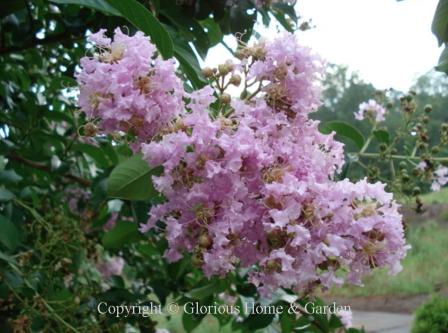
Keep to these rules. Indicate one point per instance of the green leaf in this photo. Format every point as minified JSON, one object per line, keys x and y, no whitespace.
{"x":190,"y":65}
{"x":190,"y":321}
{"x":287,"y":9}
{"x":9,"y":177}
{"x":345,"y":130}
{"x":440,"y":22}
{"x":96,"y":153}
{"x":9,"y":234}
{"x":258,"y":321}
{"x":131,"y":180}
{"x":204,"y":291}
{"x":143,"y":19}
{"x":382,"y":136}
{"x":5,"y":195}
{"x":213,"y":31}
{"x":123,"y":233}
{"x":443,"y":61}
{"x":240,"y":21}
{"x":186,"y":25}
{"x":100,"y":5}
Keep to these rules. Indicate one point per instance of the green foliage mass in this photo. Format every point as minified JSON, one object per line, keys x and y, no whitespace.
{"x":432,"y":317}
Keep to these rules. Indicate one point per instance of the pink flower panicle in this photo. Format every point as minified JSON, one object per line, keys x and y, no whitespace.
{"x":126,"y":87}
{"x":256,"y":189}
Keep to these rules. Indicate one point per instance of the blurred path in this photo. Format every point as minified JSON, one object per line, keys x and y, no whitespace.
{"x":382,"y":322}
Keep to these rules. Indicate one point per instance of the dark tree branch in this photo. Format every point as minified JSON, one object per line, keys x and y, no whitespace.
{"x":43,"y":167}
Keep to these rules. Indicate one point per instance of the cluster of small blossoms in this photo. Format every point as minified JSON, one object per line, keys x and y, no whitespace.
{"x":256,"y":188}
{"x":371,"y":110}
{"x":125,"y":87}
{"x":112,"y":266}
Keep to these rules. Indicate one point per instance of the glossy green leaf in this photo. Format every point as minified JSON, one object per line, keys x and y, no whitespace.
{"x":344,"y":130}
{"x":131,"y":180}
{"x":144,"y":20}
{"x":190,"y":65}
{"x":9,"y":234}
{"x":123,"y":233}
{"x":440,"y":22}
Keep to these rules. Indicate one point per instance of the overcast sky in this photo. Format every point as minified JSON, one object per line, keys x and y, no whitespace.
{"x":388,"y":42}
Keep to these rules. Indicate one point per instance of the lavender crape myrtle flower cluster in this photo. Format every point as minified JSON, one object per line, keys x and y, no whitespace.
{"x":252,"y":187}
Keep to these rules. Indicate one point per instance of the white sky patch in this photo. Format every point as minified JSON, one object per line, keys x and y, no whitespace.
{"x":388,"y":42}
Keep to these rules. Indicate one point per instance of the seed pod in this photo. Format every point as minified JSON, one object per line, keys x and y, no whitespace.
{"x":402,"y":165}
{"x":428,"y":108}
{"x":425,"y":119}
{"x":405,"y":177}
{"x":383,"y":147}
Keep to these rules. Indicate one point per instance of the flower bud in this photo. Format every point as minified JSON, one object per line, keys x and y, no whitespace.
{"x":235,"y":80}
{"x":428,"y":108}
{"x":405,"y":177}
{"x":207,"y":72}
{"x":205,"y":241}
{"x":225,"y":98}
{"x":421,"y":146}
{"x":435,"y":149}
{"x":402,"y":165}
{"x":383,"y":147}
{"x":425,"y":119}
{"x":196,"y":260}
{"x":90,"y":129}
{"x":240,"y":54}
